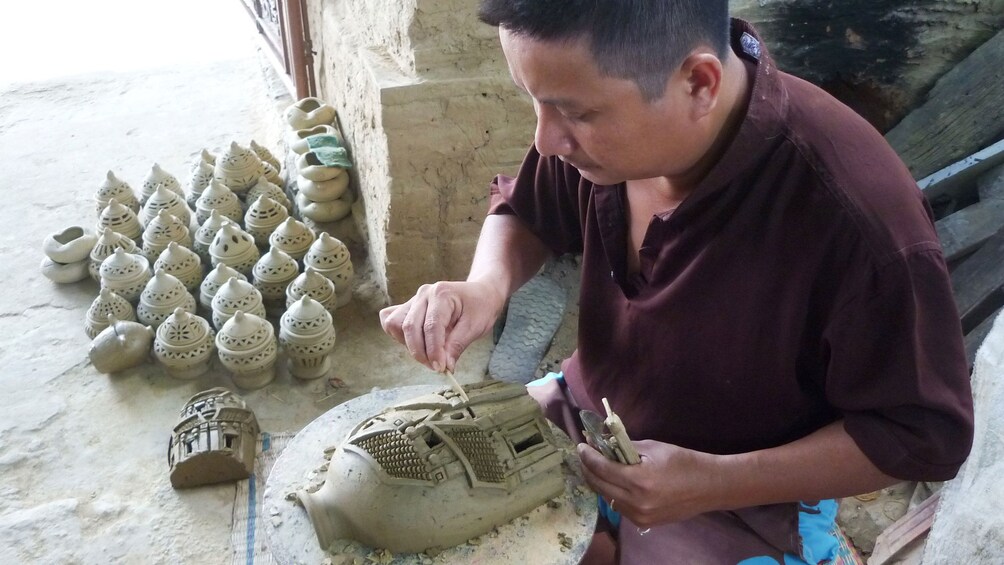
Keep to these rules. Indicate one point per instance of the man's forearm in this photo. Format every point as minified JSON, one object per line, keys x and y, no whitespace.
{"x":508,"y":254}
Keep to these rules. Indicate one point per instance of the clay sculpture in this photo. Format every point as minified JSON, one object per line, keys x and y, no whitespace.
{"x":107,"y":304}
{"x":292,"y":237}
{"x":330,"y":257}
{"x":120,"y":346}
{"x":309,"y":112}
{"x":108,"y":242}
{"x":233,"y":296}
{"x":181,"y":262}
{"x":217,"y":196}
{"x":307,"y":334}
{"x":248,"y":349}
{"x":210,"y":285}
{"x":314,"y":285}
{"x":234,"y":247}
{"x":113,"y":187}
{"x":164,"y":229}
{"x":184,"y":345}
{"x":271,"y":275}
{"x":120,"y":218}
{"x":262,"y":217}
{"x":161,"y":296}
{"x":451,"y":469}
{"x":125,"y":274}
{"x":214,"y":441}
{"x":159,"y":177}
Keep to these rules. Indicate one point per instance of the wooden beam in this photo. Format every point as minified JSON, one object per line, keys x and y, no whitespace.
{"x":964,"y":231}
{"x":962,"y":176}
{"x":903,"y":542}
{"x":977,"y":283}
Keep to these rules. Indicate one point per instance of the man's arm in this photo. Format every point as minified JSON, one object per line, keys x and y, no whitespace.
{"x":672,"y":484}
{"x":442,"y":319}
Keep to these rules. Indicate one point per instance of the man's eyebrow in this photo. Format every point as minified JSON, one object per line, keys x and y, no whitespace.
{"x":562,"y":102}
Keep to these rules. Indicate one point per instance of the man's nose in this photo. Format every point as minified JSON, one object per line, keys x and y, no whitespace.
{"x":552,"y":136}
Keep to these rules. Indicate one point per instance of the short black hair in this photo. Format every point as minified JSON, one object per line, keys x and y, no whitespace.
{"x":639,"y":40}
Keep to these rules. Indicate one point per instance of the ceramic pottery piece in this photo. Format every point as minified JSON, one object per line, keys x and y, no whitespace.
{"x":220,"y":198}
{"x":216,"y":278}
{"x":248,"y":349}
{"x":450,"y":469}
{"x":181,"y":262}
{"x":262,"y":218}
{"x":325,"y":190}
{"x":214,"y":440}
{"x":157,"y":177}
{"x":314,"y":285}
{"x":64,"y":273}
{"x":164,"y":229}
{"x":106,"y":304}
{"x":271,"y":275}
{"x":323,"y":212}
{"x":198,"y":181}
{"x":233,"y":296}
{"x":207,"y":157}
{"x":309,"y":112}
{"x":70,"y":245}
{"x":108,"y":242}
{"x":330,"y":257}
{"x":307,"y":334}
{"x":297,"y":139}
{"x":311,"y":168}
{"x":120,"y":346}
{"x":163,"y":199}
{"x":125,"y":274}
{"x":237,"y":167}
{"x":269,"y":173}
{"x":184,"y":345}
{"x":120,"y":218}
{"x":113,"y":187}
{"x":161,"y":296}
{"x":204,"y":235}
{"x":235,"y":247}
{"x":265,"y":155}
{"x":292,"y":237}
{"x":266,"y":188}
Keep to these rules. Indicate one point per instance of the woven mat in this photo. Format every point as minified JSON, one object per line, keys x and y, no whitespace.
{"x":247,"y":532}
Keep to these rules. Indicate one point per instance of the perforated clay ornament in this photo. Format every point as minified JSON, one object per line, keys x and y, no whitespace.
{"x":164,"y":229}
{"x":121,"y":219}
{"x":214,"y":440}
{"x":114,"y":187}
{"x":262,"y":218}
{"x":237,"y":167}
{"x":184,"y":345}
{"x":292,"y":237}
{"x":181,"y":262}
{"x":107,"y":304}
{"x":210,"y":285}
{"x":125,"y":274}
{"x":108,"y":242}
{"x":314,"y":285}
{"x":163,"y":199}
{"x":159,"y":177}
{"x":217,"y":196}
{"x":271,"y":275}
{"x":248,"y":349}
{"x":234,"y":247}
{"x":307,"y":334}
{"x":161,"y":296}
{"x":236,"y":295}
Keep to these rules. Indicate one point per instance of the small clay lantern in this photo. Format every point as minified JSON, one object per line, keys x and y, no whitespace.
{"x":235,"y":247}
{"x":238,"y":168}
{"x":267,"y":188}
{"x":161,"y":296}
{"x":307,"y":334}
{"x":164,"y":229}
{"x":270,"y":173}
{"x":198,"y":181}
{"x":248,"y":349}
{"x":184,"y":345}
{"x":236,"y":295}
{"x":207,"y":157}
{"x":265,"y":155}
{"x":214,"y":441}
{"x":121,"y":219}
{"x":159,"y":177}
{"x":204,"y":235}
{"x":125,"y":274}
{"x":271,"y":275}
{"x":262,"y":218}
{"x":181,"y":262}
{"x":107,"y":304}
{"x":113,"y":187}
{"x":330,"y":257}
{"x":108,"y":242}
{"x":210,"y":285}
{"x":120,"y":346}
{"x":163,"y":199}
{"x":220,"y":198}
{"x":314,"y":285}
{"x":292,"y":237}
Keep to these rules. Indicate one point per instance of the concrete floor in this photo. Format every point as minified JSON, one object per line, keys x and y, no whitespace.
{"x":84,"y":88}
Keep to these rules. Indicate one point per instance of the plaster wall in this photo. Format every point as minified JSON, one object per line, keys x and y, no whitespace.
{"x":430,"y":115}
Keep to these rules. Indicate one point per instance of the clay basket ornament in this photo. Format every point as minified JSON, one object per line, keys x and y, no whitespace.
{"x":120,"y":346}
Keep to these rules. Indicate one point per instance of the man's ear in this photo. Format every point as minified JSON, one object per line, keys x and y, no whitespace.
{"x":702,"y":73}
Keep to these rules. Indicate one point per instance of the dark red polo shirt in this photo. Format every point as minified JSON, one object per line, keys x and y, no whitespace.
{"x":800,"y":283}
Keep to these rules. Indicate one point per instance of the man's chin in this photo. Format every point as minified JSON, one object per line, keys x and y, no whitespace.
{"x":595,"y":175}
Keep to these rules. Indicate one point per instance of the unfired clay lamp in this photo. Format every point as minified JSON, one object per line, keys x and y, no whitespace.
{"x":181,"y":262}
{"x":237,"y":167}
{"x":163,"y":199}
{"x":316,"y":286}
{"x":297,"y":139}
{"x":270,"y":189}
{"x":198,"y":181}
{"x":106,"y":304}
{"x":161,"y":296}
{"x":120,"y":346}
{"x":208,"y":157}
{"x":292,"y":237}
{"x":235,"y":247}
{"x":233,"y":296}
{"x":307,"y":334}
{"x":270,"y":173}
{"x":220,"y":198}
{"x":330,"y":257}
{"x":214,"y":441}
{"x":265,"y":155}
{"x":437,"y":471}
{"x":204,"y":235}
{"x":210,"y":285}
{"x":248,"y":349}
{"x":184,"y":345}
{"x":164,"y":229}
{"x":120,"y":218}
{"x":125,"y":274}
{"x":70,"y":245}
{"x":323,"y":212}
{"x":271,"y":275}
{"x":108,"y":242}
{"x":309,"y":112}
{"x":113,"y":187}
{"x":159,"y":177}
{"x":262,"y":218}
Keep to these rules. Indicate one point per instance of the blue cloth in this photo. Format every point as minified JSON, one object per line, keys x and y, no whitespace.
{"x":329,"y":151}
{"x":816,"y":526}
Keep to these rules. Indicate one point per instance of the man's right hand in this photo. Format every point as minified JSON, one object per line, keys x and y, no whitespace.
{"x":442,"y":319}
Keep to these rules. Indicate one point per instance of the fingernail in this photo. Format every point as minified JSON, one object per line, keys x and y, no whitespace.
{"x":437,"y":367}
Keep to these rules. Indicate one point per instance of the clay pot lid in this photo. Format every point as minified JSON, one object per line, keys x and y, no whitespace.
{"x":108,"y":304}
{"x":236,"y":158}
{"x":221,"y":273}
{"x":216,"y":195}
{"x":313,"y":283}
{"x":163,"y":289}
{"x":275,"y":266}
{"x":230,"y":242}
{"x":183,"y":328}
{"x":237,"y":291}
{"x":113,"y":187}
{"x":178,"y":258}
{"x":306,"y":315}
{"x":108,"y":240}
{"x":327,"y":252}
{"x":116,"y":212}
{"x":121,"y":265}
{"x":165,"y":226}
{"x":265,"y":211}
{"x":245,"y":331}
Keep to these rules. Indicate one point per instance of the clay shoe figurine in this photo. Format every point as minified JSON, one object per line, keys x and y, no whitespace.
{"x":310,"y":167}
{"x":107,"y":304}
{"x":204,"y":235}
{"x":198,"y":181}
{"x":125,"y":274}
{"x":309,"y":112}
{"x":262,"y":218}
{"x":330,"y":257}
{"x":297,"y":139}
{"x":67,"y":255}
{"x":235,"y":295}
{"x":212,"y":283}
{"x":160,"y":297}
{"x":108,"y":242}
{"x":323,"y":212}
{"x":307,"y":334}
{"x":266,"y":188}
{"x":265,"y":155}
{"x":235,"y":247}
{"x":113,"y":187}
{"x":164,"y":199}
{"x":271,"y":275}
{"x":325,"y":190}
{"x":220,"y":198}
{"x":157,"y":177}
{"x":238,"y":168}
{"x":248,"y":349}
{"x":164,"y":229}
{"x":292,"y":237}
{"x":120,"y":346}
{"x":184,"y":345}
{"x":182,"y":263}
{"x":120,"y":218}
{"x":61,"y":273}
{"x":314,"y":285}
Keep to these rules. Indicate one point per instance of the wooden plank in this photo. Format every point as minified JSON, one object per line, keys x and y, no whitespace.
{"x":962,"y":176}
{"x":990,"y":185}
{"x":977,"y":283}
{"x":964,"y":231}
{"x":963,"y":113}
{"x":974,"y":339}
{"x":903,"y":541}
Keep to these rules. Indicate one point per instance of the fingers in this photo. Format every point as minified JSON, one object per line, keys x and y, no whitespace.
{"x":602,"y":475}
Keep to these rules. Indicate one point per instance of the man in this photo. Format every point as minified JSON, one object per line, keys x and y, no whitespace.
{"x":764,"y":300}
